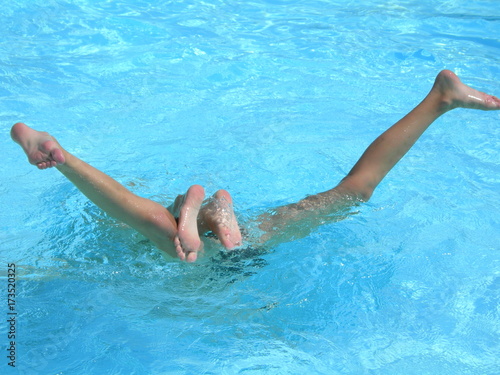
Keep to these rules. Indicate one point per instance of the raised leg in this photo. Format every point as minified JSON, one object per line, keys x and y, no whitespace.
{"x":147,"y":217}
{"x":296,"y":220}
{"x":178,"y":238}
{"x":447,"y":93}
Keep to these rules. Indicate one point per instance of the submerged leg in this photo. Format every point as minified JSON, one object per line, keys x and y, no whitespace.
{"x":447,"y":93}
{"x":147,"y":217}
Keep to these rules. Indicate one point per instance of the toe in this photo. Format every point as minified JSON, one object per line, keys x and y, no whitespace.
{"x":192,"y":256}
{"x":178,"y":249}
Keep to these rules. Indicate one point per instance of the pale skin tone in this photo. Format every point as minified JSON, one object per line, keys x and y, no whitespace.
{"x":181,"y":238}
{"x":298,"y":219}
{"x":177,"y":238}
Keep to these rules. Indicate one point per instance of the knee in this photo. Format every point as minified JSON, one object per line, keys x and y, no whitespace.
{"x":355,"y":188}
{"x":365,"y":195}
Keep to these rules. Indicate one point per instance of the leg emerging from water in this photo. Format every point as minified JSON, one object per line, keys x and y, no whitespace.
{"x":447,"y":93}
{"x":147,"y":217}
{"x":179,"y":239}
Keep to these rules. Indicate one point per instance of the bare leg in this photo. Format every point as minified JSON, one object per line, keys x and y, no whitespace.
{"x":148,"y":217}
{"x":179,"y":239}
{"x":447,"y":93}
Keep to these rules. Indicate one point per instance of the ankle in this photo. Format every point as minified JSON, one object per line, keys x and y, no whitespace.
{"x":441,"y":100}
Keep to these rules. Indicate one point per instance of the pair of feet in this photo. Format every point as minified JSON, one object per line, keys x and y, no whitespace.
{"x":193,"y":214}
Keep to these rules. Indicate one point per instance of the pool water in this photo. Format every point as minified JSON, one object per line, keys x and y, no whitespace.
{"x":271,"y":100}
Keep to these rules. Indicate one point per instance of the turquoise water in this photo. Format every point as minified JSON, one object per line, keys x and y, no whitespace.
{"x":271,"y":100}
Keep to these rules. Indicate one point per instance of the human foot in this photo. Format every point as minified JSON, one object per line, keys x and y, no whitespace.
{"x":41,"y":148}
{"x":186,"y":207}
{"x":217,"y":216}
{"x":456,"y":94}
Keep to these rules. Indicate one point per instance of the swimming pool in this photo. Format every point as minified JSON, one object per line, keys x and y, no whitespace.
{"x":271,"y":100}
